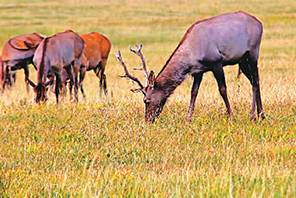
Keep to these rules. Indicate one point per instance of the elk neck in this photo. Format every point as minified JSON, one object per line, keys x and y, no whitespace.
{"x":173,"y":73}
{"x":41,"y":67}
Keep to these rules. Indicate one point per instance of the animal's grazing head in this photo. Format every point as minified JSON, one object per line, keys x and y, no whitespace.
{"x":40,"y":90}
{"x":40,"y":93}
{"x":154,"y":96}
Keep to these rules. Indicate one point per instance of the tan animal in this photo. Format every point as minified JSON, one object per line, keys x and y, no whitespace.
{"x":208,"y":45}
{"x":62,"y":50}
{"x":17,"y":53}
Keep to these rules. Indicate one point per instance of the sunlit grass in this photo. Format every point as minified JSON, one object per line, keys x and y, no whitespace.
{"x":105,"y":148}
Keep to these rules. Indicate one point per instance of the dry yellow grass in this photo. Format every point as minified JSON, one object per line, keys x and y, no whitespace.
{"x":99,"y":148}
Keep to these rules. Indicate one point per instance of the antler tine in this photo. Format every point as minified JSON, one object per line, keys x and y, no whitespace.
{"x":127,"y":74}
{"x":139,"y":53}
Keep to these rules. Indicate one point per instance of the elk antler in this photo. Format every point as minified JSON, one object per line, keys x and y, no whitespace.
{"x":127,"y":74}
{"x":139,"y":53}
{"x":30,"y":82}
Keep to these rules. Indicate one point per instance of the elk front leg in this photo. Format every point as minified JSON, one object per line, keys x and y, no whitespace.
{"x":220,"y":78}
{"x":26,"y":71}
{"x":70,"y":73}
{"x":5,"y":73}
{"x":195,"y":87}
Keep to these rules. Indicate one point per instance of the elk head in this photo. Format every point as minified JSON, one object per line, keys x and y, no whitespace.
{"x":154,"y":97}
{"x":40,"y":90}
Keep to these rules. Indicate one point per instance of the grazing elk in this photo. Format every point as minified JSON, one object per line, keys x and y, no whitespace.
{"x":94,"y":57}
{"x":62,"y":50}
{"x":17,"y":53}
{"x":208,"y":45}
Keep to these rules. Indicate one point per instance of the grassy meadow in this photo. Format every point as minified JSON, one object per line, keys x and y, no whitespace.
{"x":100,"y":148}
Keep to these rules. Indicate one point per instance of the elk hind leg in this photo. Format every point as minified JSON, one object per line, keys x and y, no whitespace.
{"x":249,"y":67}
{"x":76,"y":67}
{"x":81,"y":78}
{"x":69,"y":70}
{"x":26,"y":72}
{"x":104,"y":85}
{"x":99,"y":71}
{"x":103,"y":82}
{"x":57,"y":87}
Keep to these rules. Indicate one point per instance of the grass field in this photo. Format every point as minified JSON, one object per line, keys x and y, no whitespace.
{"x":100,"y":148}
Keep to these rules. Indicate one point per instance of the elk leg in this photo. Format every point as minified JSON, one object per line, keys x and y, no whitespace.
{"x":98,"y":72}
{"x":103,"y":77}
{"x":256,"y":88}
{"x":14,"y":77}
{"x":195,"y":87}
{"x":105,"y":85}
{"x":81,"y":78}
{"x":76,"y":71}
{"x":249,"y":67}
{"x":26,"y":71}
{"x":5,"y":76}
{"x":69,"y":70}
{"x":220,"y":78}
{"x":2,"y":75}
{"x":57,"y":87}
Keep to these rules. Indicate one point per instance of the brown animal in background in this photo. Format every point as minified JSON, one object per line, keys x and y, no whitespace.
{"x":208,"y":45}
{"x":17,"y":53}
{"x":94,"y":57}
{"x":62,"y":50}
{"x":96,"y":52}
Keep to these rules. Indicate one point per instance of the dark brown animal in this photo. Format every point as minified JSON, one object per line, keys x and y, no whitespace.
{"x":94,"y":57}
{"x":17,"y":53}
{"x":62,"y":50}
{"x":208,"y":45}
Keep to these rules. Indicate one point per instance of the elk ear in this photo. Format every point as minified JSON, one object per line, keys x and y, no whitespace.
{"x":30,"y":82}
{"x":151,"y":79}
